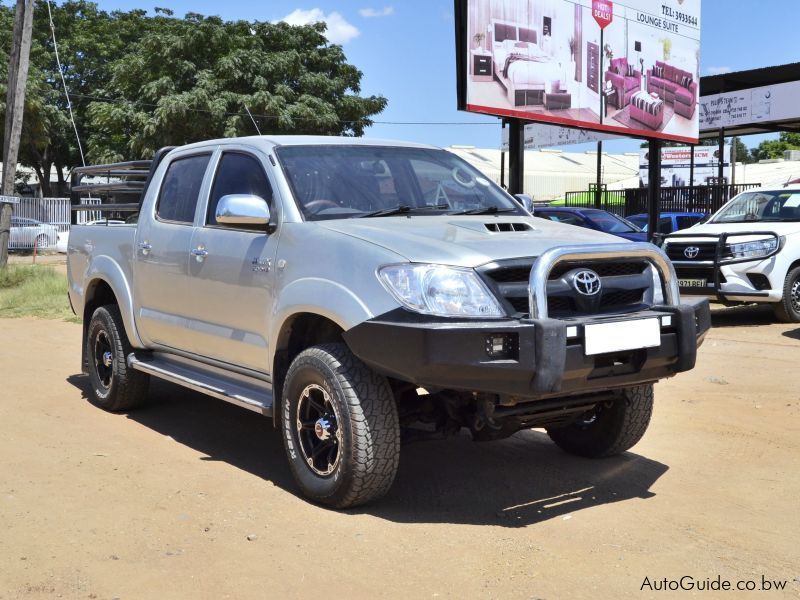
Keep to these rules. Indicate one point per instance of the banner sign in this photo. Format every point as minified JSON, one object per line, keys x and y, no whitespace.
{"x":752,"y":106}
{"x":628,"y":67}
{"x":539,"y":135}
{"x":603,"y":12}
{"x":9,"y":200}
{"x":676,"y":165}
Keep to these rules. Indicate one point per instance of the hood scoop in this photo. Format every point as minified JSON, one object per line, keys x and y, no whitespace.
{"x":507,"y":227}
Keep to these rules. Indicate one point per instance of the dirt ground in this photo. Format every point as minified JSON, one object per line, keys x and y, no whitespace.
{"x":192,"y":498}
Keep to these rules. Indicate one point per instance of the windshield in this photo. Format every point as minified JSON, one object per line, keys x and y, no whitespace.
{"x":611,"y":223}
{"x":753,"y":207}
{"x":344,"y":182}
{"x":639,"y":220}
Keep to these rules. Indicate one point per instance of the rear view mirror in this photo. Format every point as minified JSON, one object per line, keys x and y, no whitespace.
{"x":242,"y":210}
{"x":526,"y":201}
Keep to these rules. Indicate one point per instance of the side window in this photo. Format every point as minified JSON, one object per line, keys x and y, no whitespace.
{"x":238,"y":174}
{"x":665,"y":226}
{"x":177,"y":199}
{"x":686,"y":222}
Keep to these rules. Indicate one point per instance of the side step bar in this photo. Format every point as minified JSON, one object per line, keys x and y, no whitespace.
{"x":253,"y":395}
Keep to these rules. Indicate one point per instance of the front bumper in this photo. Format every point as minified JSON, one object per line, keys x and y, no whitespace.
{"x":541,"y":360}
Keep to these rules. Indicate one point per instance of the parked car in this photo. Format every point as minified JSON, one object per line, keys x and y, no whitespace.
{"x":25,"y":233}
{"x":347,"y":288}
{"x":749,"y":251}
{"x":593,"y":218}
{"x":669,"y":222}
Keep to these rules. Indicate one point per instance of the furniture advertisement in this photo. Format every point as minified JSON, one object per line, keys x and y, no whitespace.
{"x":629,"y":67}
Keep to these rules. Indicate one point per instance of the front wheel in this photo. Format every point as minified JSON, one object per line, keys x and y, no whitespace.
{"x":340,"y":427}
{"x":42,"y":242}
{"x":788,"y":309}
{"x":608,"y":429}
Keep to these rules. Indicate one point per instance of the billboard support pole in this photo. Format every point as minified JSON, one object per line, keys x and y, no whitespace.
{"x":721,"y":164}
{"x":503,"y":164}
{"x":691,"y":179}
{"x":653,"y":186}
{"x":598,"y":195}
{"x":516,"y":156}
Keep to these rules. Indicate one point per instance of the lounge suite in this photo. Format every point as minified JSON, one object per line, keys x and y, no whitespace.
{"x":647,"y":110}
{"x":625,"y":79}
{"x":675,"y":86}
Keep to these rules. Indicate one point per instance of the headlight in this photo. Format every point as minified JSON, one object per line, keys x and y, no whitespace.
{"x":755,"y":249}
{"x":442,"y":291}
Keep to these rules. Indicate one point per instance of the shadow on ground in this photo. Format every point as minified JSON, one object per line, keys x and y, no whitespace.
{"x":515,"y":482}
{"x":739,"y":316}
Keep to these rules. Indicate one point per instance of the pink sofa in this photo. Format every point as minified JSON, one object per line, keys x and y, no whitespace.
{"x":647,"y":110}
{"x":626,"y":85}
{"x":675,"y":86}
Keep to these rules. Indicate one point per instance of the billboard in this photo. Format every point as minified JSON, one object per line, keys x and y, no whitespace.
{"x":753,"y":106}
{"x":628,"y":67}
{"x":676,"y":165}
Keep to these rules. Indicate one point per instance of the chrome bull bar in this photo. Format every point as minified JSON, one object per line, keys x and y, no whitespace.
{"x":537,"y":284}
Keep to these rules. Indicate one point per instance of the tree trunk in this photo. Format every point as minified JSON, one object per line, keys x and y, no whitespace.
{"x":62,"y":184}
{"x":43,"y":173}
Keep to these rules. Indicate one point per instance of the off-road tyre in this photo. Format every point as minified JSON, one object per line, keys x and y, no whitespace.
{"x":610,"y":428}
{"x":367,"y":430}
{"x":115,"y":386}
{"x":788,"y":309}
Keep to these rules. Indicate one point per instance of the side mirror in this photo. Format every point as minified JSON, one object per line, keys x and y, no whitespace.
{"x":242,"y":210}
{"x":526,"y":201}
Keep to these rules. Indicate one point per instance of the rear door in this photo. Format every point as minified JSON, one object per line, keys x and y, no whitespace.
{"x":232,"y":275}
{"x":162,"y":253}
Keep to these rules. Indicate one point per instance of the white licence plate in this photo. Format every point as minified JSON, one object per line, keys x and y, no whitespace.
{"x":602,"y":338}
{"x":692,"y":283}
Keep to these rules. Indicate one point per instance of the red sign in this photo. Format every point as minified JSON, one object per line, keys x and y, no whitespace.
{"x":603,"y":12}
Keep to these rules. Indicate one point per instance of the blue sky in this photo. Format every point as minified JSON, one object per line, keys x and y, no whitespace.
{"x":406,"y":51}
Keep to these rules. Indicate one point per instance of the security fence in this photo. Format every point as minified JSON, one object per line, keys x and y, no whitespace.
{"x":39,"y":221}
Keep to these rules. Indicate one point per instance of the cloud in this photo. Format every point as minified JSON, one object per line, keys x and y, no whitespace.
{"x":376,"y":12}
{"x":339,"y":30}
{"x":718,"y":70}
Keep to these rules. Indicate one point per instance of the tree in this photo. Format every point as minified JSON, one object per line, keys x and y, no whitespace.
{"x":770,"y":149}
{"x":743,"y":153}
{"x":195,"y":78}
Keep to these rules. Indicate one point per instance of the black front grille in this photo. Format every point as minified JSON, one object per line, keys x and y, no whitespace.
{"x":511,"y":280}
{"x":707,"y":251}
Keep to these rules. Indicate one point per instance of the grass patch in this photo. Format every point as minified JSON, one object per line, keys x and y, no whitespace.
{"x":34,"y":291}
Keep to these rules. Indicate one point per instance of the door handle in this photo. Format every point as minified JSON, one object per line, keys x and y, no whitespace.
{"x":199,"y":254}
{"x":145,"y":247}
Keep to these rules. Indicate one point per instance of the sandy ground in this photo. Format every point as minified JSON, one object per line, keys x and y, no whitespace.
{"x":192,"y":498}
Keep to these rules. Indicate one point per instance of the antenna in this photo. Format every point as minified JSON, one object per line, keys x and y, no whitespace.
{"x":252,"y":119}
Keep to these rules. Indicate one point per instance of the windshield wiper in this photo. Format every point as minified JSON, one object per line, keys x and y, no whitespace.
{"x":402,"y":209}
{"x":489,"y":210}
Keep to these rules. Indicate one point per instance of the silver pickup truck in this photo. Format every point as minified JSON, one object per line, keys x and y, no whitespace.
{"x":358,"y":292}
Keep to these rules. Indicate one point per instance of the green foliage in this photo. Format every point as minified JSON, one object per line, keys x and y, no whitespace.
{"x":34,"y":291}
{"x":139,"y":83}
{"x":769,"y":149}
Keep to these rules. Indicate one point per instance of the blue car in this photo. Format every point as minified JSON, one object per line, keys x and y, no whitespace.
{"x":593,"y":218}
{"x":669,"y":222}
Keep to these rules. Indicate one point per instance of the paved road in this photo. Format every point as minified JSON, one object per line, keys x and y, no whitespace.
{"x":160,"y":503}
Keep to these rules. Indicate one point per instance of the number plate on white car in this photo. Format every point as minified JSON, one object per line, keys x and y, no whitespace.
{"x":602,"y":338}
{"x":692,"y":283}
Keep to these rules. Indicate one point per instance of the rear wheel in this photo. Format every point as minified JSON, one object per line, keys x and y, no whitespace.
{"x":115,"y":386}
{"x":42,"y":242}
{"x":340,"y":427}
{"x":608,"y":429}
{"x":788,"y":309}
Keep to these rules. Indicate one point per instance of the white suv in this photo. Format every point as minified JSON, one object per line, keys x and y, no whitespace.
{"x":749,"y":251}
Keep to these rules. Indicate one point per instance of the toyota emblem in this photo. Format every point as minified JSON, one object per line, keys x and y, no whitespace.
{"x":691,"y":252}
{"x":586,"y":283}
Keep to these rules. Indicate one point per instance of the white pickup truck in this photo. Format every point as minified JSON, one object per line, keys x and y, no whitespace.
{"x":748,"y":252}
{"x":358,"y":291}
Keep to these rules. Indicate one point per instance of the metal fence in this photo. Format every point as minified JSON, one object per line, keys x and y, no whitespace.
{"x":39,"y":221}
{"x":633,"y":201}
